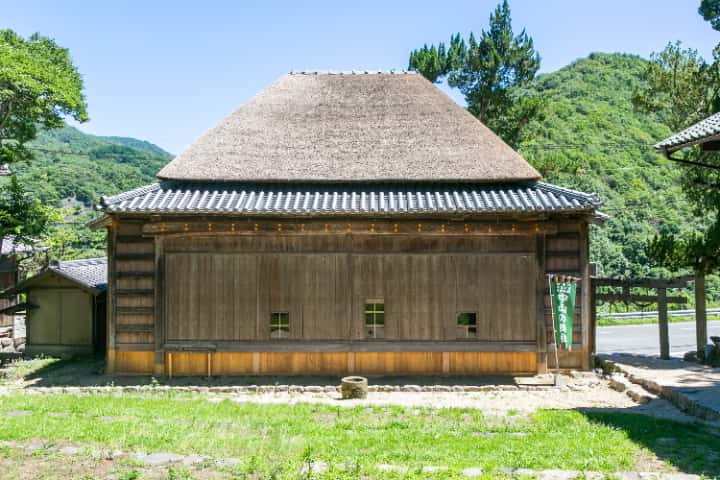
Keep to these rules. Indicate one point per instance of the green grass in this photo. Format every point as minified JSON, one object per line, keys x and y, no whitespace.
{"x":279,"y":439}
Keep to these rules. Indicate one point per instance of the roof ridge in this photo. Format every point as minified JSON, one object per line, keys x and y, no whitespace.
{"x":83,"y":261}
{"x":592,"y":197}
{"x":107,"y":200}
{"x":392,"y":71}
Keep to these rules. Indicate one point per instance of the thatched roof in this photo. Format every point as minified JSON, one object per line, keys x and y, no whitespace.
{"x":315,"y":127}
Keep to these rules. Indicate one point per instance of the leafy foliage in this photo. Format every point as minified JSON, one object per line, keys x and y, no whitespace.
{"x":70,"y":172}
{"x":592,"y":139}
{"x":39,"y":86}
{"x":680,"y":86}
{"x":683,"y":88}
{"x":710,"y":11}
{"x":489,"y":72}
{"x":21,"y":215}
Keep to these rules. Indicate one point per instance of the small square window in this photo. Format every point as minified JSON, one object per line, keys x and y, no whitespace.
{"x":279,"y":325}
{"x":467,"y":325}
{"x":374,"y":319}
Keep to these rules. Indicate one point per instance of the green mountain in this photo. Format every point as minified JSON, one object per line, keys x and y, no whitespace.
{"x":71,"y":171}
{"x":592,"y":139}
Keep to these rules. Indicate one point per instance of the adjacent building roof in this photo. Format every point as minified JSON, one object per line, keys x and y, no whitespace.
{"x":349,"y":199}
{"x":701,"y":132}
{"x":89,"y":274}
{"x":10,"y":245}
{"x":350,"y":127}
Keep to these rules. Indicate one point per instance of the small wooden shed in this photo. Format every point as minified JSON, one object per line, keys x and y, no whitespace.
{"x":344,"y":223}
{"x":65,"y":305}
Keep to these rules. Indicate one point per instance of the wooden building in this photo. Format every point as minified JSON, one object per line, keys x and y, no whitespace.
{"x":65,"y":308}
{"x":704,"y":135}
{"x":12,"y":252}
{"x":344,"y":223}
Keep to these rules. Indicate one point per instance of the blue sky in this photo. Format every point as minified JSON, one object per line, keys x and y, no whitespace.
{"x":165,"y":71}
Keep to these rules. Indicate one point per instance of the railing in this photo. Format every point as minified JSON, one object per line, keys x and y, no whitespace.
{"x":648,"y":314}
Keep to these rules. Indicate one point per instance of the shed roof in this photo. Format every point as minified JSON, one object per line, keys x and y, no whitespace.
{"x":350,"y":127}
{"x":703,"y":131}
{"x":349,"y":199}
{"x":89,"y":274}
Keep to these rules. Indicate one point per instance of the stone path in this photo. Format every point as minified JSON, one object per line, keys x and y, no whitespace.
{"x":694,"y":388}
{"x":165,"y":458}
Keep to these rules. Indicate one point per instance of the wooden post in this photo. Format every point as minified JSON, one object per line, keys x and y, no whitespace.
{"x":663,"y":324}
{"x":700,"y":313}
{"x":541,"y":328}
{"x":111,"y":366}
{"x":585,"y":299}
{"x":593,"y":319}
{"x":159,"y":318}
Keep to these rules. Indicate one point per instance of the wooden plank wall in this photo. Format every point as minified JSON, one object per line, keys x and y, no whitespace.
{"x":132,"y":285}
{"x":325,"y":295}
{"x":416,"y":271}
{"x":340,"y":363}
{"x":8,"y":278}
{"x":567,"y":254}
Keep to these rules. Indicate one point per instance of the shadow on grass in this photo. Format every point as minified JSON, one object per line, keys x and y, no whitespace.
{"x":691,"y":447}
{"x":88,"y":371}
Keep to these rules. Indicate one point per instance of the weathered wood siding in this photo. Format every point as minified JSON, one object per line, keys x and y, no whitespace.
{"x":8,"y":279}
{"x":230,"y":296}
{"x":214,"y":291}
{"x":62,"y":323}
{"x":567,"y":253}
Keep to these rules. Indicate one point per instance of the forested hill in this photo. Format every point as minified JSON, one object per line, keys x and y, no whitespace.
{"x":593,"y":140}
{"x":72,"y":169}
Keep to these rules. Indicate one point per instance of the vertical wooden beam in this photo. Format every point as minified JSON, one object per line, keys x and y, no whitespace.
{"x":541,"y":330}
{"x":663,"y":323}
{"x":351,"y":362}
{"x":700,"y":313}
{"x":593,"y":319}
{"x":110,"y":302}
{"x":159,"y":317}
{"x":585,"y":301}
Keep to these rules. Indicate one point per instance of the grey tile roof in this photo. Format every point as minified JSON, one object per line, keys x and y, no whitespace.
{"x":349,"y":199}
{"x":90,"y":272}
{"x":10,"y":246}
{"x":704,"y":130}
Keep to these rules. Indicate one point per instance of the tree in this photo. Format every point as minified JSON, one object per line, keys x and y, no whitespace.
{"x":490,"y":73}
{"x":710,"y":11}
{"x":21,"y":215}
{"x":683,"y":88}
{"x":680,"y":86}
{"x":39,"y":87}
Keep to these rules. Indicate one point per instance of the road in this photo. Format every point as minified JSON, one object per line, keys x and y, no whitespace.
{"x":644,"y":339}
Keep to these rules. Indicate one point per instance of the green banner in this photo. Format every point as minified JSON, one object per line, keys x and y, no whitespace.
{"x":562,"y":291}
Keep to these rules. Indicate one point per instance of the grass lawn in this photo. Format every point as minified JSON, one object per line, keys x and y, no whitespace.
{"x":275,"y":441}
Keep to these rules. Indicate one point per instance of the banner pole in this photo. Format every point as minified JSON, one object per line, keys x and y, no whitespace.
{"x":554,"y":333}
